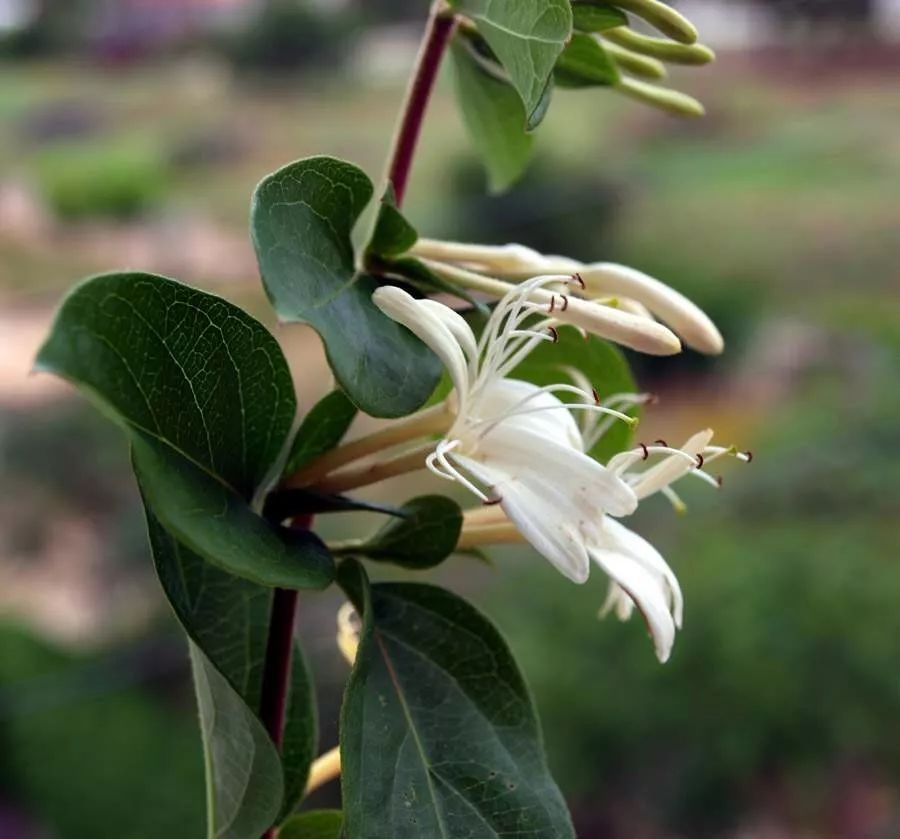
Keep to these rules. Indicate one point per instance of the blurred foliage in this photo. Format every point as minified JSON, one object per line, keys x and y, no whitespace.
{"x":87,"y":754}
{"x":111,"y":180}
{"x":786,"y":666}
{"x":287,"y":35}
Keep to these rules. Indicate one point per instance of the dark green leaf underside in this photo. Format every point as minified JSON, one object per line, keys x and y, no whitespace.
{"x":584,"y":63}
{"x":590,"y":16}
{"x":228,"y":618}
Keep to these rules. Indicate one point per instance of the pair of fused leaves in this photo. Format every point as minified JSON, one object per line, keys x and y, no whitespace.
{"x":505,"y":73}
{"x":206,"y":398}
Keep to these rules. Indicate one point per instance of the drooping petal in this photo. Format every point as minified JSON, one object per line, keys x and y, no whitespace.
{"x":616,"y":537}
{"x":648,"y":591}
{"x":684,"y":316}
{"x":457,"y":325}
{"x":424,"y":324}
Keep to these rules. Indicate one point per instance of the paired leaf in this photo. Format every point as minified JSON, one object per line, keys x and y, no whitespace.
{"x":301,"y":220}
{"x":216,"y":523}
{"x":591,"y":16}
{"x":494,"y":117}
{"x":321,"y":430}
{"x":393,"y":234}
{"x":423,"y":534}
{"x":316,"y":824}
{"x":438,"y":733}
{"x":243,"y":770}
{"x":527,"y":36}
{"x":228,"y":619}
{"x":603,"y":364}
{"x":584,"y":63}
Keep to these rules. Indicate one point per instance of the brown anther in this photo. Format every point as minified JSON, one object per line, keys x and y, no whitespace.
{"x":553,"y":331}
{"x":699,"y":461}
{"x":646,"y":452}
{"x":660,"y":442}
{"x":652,"y":399}
{"x":552,"y":303}
{"x":720,"y":480}
{"x":596,"y":394}
{"x":749,"y":456}
{"x":578,"y":279}
{"x":565,"y":302}
{"x":492,"y":502}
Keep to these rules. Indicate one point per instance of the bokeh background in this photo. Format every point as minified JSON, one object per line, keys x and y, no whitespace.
{"x":132,"y":135}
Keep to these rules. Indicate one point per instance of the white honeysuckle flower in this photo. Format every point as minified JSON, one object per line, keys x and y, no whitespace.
{"x":519,"y":442}
{"x":513,"y":443}
{"x":602,"y":280}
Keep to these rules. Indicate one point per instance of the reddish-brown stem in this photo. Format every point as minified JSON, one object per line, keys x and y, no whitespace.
{"x":434,"y":43}
{"x":279,"y":657}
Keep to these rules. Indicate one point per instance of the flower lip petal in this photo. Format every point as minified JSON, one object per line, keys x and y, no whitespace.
{"x":429,"y":328}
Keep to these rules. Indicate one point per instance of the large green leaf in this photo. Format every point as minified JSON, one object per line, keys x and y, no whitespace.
{"x":243,"y":771}
{"x":423,"y":534}
{"x":180,"y":365}
{"x":438,"y":734}
{"x":527,"y":36}
{"x":584,"y":63}
{"x":494,"y":117}
{"x":393,"y":234}
{"x":602,"y":364}
{"x":301,"y":220}
{"x":228,"y":618}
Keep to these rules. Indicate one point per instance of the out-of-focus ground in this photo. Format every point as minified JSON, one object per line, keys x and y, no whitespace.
{"x":777,"y":716}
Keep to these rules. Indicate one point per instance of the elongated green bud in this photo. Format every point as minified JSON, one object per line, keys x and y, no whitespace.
{"x":662,"y":17}
{"x":690,"y":54}
{"x":664,"y":98}
{"x":640,"y":65}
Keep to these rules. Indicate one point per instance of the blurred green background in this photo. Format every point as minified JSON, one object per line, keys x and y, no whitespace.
{"x":132,"y":136}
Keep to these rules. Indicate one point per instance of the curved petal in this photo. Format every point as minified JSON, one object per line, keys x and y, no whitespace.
{"x":424,"y":324}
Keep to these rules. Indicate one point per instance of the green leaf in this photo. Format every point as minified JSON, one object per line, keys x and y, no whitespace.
{"x":424,"y":535}
{"x":438,"y":733}
{"x":214,"y":522}
{"x":604,"y":366}
{"x":584,"y":63}
{"x":301,"y":220}
{"x":180,"y":365}
{"x":316,"y":824}
{"x":228,"y":619}
{"x":243,"y":771}
{"x":494,"y":117}
{"x":538,"y":114}
{"x":393,"y":234}
{"x":590,"y":16}
{"x":321,"y":430}
{"x":527,"y":36}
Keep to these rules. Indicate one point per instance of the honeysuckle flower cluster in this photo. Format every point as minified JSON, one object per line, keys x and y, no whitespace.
{"x":517,"y":447}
